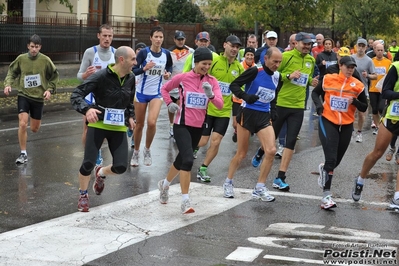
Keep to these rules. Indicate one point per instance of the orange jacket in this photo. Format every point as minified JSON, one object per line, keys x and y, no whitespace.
{"x":338,"y":91}
{"x":243,"y":63}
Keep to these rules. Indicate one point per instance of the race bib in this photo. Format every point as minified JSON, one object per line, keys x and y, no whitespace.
{"x":301,"y":81}
{"x":114,"y":117}
{"x":265,"y":95}
{"x":330,"y":63}
{"x":32,"y":81}
{"x":225,"y":88}
{"x":196,"y":100}
{"x":395,"y":109}
{"x":339,"y":104}
{"x":380,"y":70}
{"x":155,"y":71}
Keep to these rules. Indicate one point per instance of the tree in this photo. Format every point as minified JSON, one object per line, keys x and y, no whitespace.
{"x":285,"y":15}
{"x":367,"y":17}
{"x":146,"y":8}
{"x":182,"y":11}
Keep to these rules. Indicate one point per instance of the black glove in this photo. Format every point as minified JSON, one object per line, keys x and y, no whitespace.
{"x":319,"y":110}
{"x":250,"y":98}
{"x":273,"y":115}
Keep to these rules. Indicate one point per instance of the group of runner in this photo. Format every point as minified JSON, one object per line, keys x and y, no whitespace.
{"x":265,"y":89}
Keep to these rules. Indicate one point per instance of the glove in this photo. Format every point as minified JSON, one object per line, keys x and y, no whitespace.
{"x":208,"y":90}
{"x":273,"y":115}
{"x":172,"y":108}
{"x":319,"y":110}
{"x":250,"y":98}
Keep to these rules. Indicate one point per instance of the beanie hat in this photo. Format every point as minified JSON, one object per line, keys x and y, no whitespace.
{"x":201,"y":54}
{"x":249,"y":50}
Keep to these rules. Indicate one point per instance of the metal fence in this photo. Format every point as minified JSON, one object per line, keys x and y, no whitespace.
{"x":65,"y":39}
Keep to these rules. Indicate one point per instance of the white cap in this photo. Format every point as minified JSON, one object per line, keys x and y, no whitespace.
{"x":271,"y":34}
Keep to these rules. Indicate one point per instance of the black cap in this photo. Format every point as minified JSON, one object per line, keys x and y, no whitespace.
{"x":179,"y":35}
{"x":140,"y":45}
{"x":347,"y":61}
{"x":201,"y":54}
{"x":233,"y":40}
{"x":249,"y":50}
{"x":304,"y":37}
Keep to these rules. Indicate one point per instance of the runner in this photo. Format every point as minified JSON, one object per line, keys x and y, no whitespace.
{"x":107,"y":118}
{"x":255,"y":116}
{"x":37,"y":79}
{"x":153,"y":63}
{"x":94,"y":59}
{"x":336,"y":117}
{"x":388,"y":128}
{"x":196,"y":89}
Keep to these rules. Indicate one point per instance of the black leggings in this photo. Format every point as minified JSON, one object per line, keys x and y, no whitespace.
{"x":117,"y":144}
{"x":187,"y":139}
{"x":294,"y":119}
{"x":335,"y":141}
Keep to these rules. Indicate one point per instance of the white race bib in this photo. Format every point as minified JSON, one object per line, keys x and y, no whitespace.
{"x":32,"y":81}
{"x":196,"y":100}
{"x":114,"y":117}
{"x":265,"y":95}
{"x":339,"y":104}
{"x":395,"y":109}
{"x":225,"y":88}
{"x":301,"y":81}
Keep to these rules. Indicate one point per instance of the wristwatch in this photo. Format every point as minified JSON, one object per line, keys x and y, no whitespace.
{"x":288,"y":76}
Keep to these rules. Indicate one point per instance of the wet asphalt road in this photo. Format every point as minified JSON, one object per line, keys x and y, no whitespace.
{"x":47,"y":187}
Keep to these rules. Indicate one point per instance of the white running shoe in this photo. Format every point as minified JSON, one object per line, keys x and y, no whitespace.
{"x":359,"y":137}
{"x":147,"y":157}
{"x":186,"y":207}
{"x":262,"y":194}
{"x":163,"y":192}
{"x":135,"y":159}
{"x":327,"y":203}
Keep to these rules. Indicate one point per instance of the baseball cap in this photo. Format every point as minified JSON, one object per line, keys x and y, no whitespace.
{"x":361,"y":41}
{"x":343,"y":51}
{"x":233,"y":40}
{"x":304,"y":37}
{"x":347,"y":61}
{"x":201,"y":54}
{"x":271,"y":34}
{"x":179,"y":35}
{"x":140,"y":45}
{"x":203,"y":36}
{"x":249,"y":50}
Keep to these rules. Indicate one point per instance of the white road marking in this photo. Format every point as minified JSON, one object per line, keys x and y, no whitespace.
{"x":44,"y":125}
{"x":244,"y":254}
{"x":293,"y":259}
{"x":78,"y":238}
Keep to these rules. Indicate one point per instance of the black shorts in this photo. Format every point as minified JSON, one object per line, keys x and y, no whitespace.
{"x":391,"y":125}
{"x":253,"y":120}
{"x":215,"y":124}
{"x":34,"y":108}
{"x":236,"y":106}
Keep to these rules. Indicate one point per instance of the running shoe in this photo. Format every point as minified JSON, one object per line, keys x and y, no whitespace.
{"x":132,"y":142}
{"x":129,"y":132}
{"x":171,"y":130}
{"x":147,"y":157}
{"x":359,"y":137}
{"x":256,"y":160}
{"x":234,"y":137}
{"x":394,"y":204}
{"x":135,"y":159}
{"x":202,"y":174}
{"x":327,"y":203}
{"x":99,"y":161}
{"x":195,"y":152}
{"x":373,"y":125}
{"x":22,"y":158}
{"x":228,"y":189}
{"x":262,"y":194}
{"x":390,"y":153}
{"x":279,"y":152}
{"x":163,"y":192}
{"x":83,"y":203}
{"x":375,"y":131}
{"x":186,"y":207}
{"x":278,"y":183}
{"x":322,"y":178}
{"x":357,"y":191}
{"x":98,"y":185}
